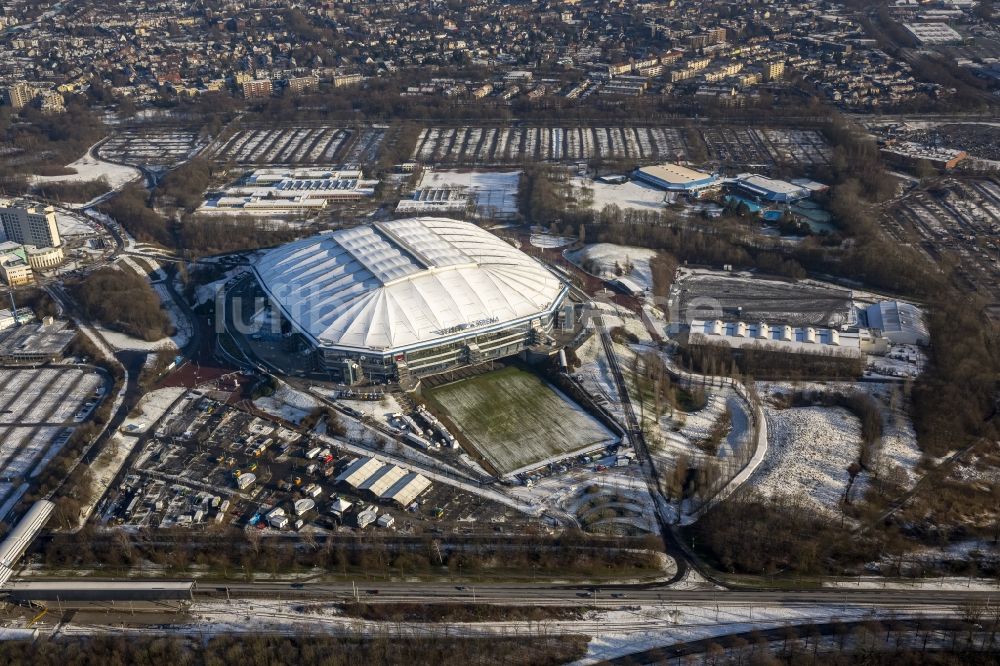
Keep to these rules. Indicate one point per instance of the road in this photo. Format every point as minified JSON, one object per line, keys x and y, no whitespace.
{"x":544,"y":594}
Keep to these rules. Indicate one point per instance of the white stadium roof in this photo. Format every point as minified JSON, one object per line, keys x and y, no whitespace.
{"x":404,"y":283}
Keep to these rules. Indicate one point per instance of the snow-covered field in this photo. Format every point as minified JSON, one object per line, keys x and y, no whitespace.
{"x":515,"y":420}
{"x":631,"y":195}
{"x":88,"y":168}
{"x":809,"y":451}
{"x":123,"y":342}
{"x":620,"y":489}
{"x":287,"y":404}
{"x":603,"y":260}
{"x":182,"y":326}
{"x":898,"y":447}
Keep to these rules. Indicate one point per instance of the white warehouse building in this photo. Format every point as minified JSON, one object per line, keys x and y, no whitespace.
{"x":780,"y":337}
{"x":413,"y":296}
{"x":900,"y":323}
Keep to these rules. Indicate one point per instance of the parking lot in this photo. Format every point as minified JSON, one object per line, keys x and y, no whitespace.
{"x":299,"y":146}
{"x":149,"y":146}
{"x":39,"y":409}
{"x":514,"y":145}
{"x":754,"y":299}
{"x":763,"y":148}
{"x":745,"y":147}
{"x":958,"y":217}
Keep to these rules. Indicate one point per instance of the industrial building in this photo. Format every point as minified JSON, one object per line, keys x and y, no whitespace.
{"x":780,"y":337}
{"x":388,"y":483}
{"x":411,"y":297}
{"x":909,"y":154}
{"x":677,"y":178}
{"x":899,"y":323}
{"x":35,"y":343}
{"x":762,"y":188}
{"x":291,"y":190}
{"x":933,"y":33}
{"x":435,"y":200}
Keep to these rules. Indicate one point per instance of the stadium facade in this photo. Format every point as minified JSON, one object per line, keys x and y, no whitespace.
{"x":411,"y":297}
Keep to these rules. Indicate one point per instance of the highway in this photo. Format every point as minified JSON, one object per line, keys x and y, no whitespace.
{"x":541,"y":594}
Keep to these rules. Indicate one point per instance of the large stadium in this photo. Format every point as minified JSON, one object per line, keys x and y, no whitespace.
{"x":410,"y":297}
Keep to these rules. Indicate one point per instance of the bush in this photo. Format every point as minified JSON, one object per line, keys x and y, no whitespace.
{"x":74,"y":192}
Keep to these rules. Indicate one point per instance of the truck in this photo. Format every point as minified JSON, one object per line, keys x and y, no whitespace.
{"x":417,"y":441}
{"x":313,"y":452}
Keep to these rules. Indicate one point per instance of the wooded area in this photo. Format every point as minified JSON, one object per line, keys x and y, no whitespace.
{"x":122,"y":301}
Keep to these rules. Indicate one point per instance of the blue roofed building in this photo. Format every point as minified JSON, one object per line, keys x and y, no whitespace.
{"x":762,"y":188}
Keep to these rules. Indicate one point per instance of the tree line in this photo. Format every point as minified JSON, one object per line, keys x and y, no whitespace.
{"x":306,"y":649}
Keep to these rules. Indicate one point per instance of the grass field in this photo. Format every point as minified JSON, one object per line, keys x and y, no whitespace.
{"x":515,"y":420}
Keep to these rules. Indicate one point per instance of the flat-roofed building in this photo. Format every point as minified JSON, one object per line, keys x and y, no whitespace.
{"x":14,"y":267}
{"x":778,"y":337}
{"x":293,"y":190}
{"x":933,"y":33}
{"x":18,"y":95}
{"x":35,"y":343}
{"x":29,"y":225}
{"x":676,"y":178}
{"x":770,"y":189}
{"x":300,"y":84}
{"x":382,"y":480}
{"x":257,"y":88}
{"x":406,"y":490}
{"x":359,"y":471}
